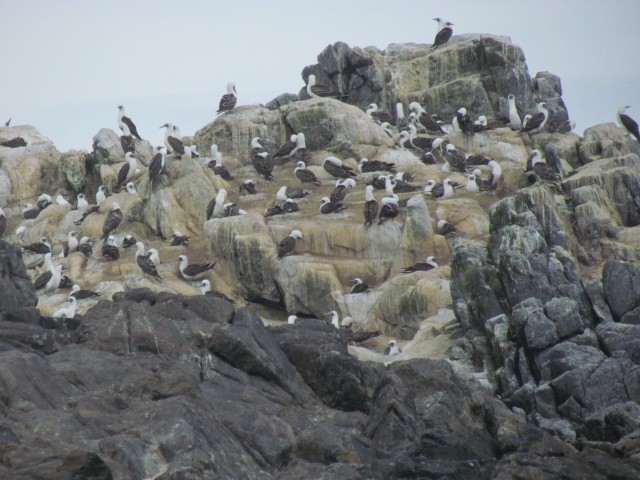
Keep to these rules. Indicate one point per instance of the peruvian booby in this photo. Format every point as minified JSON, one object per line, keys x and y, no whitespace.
{"x":566,"y":126}
{"x":71,"y":245}
{"x":110,"y":250}
{"x":193,"y":271}
{"x":421,"y":143}
{"x":445,"y":228}
{"x":335,"y":319}
{"x":131,"y":188}
{"x":343,"y":186}
{"x":403,"y":140}
{"x":366,"y":165}
{"x":42,"y":247}
{"x":127,"y":170}
{"x":205,"y":289}
{"x":315,"y":90}
{"x":256,"y":146}
{"x":442,"y":190}
{"x":404,"y":176}
{"x":392,"y":349}
{"x":214,"y":209}
{"x":29,"y":213}
{"x":480,"y":125}
{"x":334,"y":167}
{"x":302,"y":153}
{"x":444,"y":33}
{"x":359,"y":286}
{"x":81,"y":202}
{"x":43,"y":279}
{"x":54,"y":282}
{"x":305,"y":175}
{"x":16,"y":142}
{"x":124,"y":121}
{"x":464,"y":122}
{"x":496,"y":173}
{"x":377,"y":115}
{"x":154,"y":256}
{"x":195,"y":152}
{"x":290,"y":206}
{"x":327,"y":206}
{"x":537,"y":122}
{"x":101,"y":195}
{"x":216,"y":164}
{"x":455,"y":158}
{"x":389,"y":209}
{"x":541,"y":168}
{"x":60,"y":200}
{"x":476,"y":184}
{"x":20,"y":231}
{"x":156,"y":166}
{"x":514,"y":119}
{"x":229,"y":99}
{"x":285,"y":193}
{"x":231,"y":210}
{"x":379,"y":183}
{"x":263,"y":164}
{"x":85,"y":247}
{"x":145,"y":263}
{"x":291,"y":319}
{"x":370,"y":206}
{"x":3,"y":222}
{"x":287,"y":149}
{"x":65,"y":283}
{"x":126,"y":140}
{"x":177,"y":238}
{"x":386,"y":126}
{"x":288,"y":244}
{"x":112,"y":221}
{"x":426,"y":120}
{"x":248,"y":186}
{"x":273,"y":210}
{"x":128,"y":241}
{"x":44,"y":201}
{"x":172,"y":140}
{"x":627,"y":122}
{"x":422,"y":266}
{"x":80,"y":294}
{"x":67,"y":312}
{"x":401,"y":120}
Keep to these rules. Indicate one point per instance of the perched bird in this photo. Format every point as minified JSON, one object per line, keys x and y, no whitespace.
{"x":335,"y":318}
{"x":421,"y":143}
{"x":42,"y":247}
{"x":401,"y":120}
{"x":20,"y":231}
{"x":248,"y":186}
{"x":303,"y":153}
{"x":288,"y":244}
{"x":127,"y":170}
{"x":3,"y":222}
{"x":386,"y":126}
{"x":231,"y":210}
{"x":464,"y":122}
{"x":334,"y":167}
{"x":80,"y":294}
{"x":541,"y":169}
{"x":537,"y":122}
{"x":496,"y":173}
{"x":177,"y":238}
{"x":263,"y":164}
{"x":327,"y":206}
{"x":365,"y":165}
{"x":566,"y":126}
{"x":205,"y":289}
{"x":101,"y":195}
{"x":67,"y":312}
{"x":404,"y":176}
{"x":273,"y":210}
{"x":359,"y":286}
{"x":442,"y":190}
{"x":315,"y":90}
{"x":156,"y":166}
{"x":145,"y":263}
{"x":514,"y":119}
{"x":112,"y":221}
{"x":126,"y":140}
{"x":195,"y":153}
{"x":8,"y":122}
{"x":343,"y":186}
{"x":216,"y":164}
{"x":131,"y":188}
{"x":43,"y":279}
{"x":65,"y":283}
{"x":444,"y":33}
{"x":16,"y":142}
{"x":370,"y":206}
{"x":54,"y":282}
{"x":389,"y":209}
{"x":426,"y":120}
{"x":110,"y":250}
{"x":29,"y":213}
{"x":124,"y":121}
{"x":287,"y":149}
{"x":290,"y":206}
{"x":71,"y":245}
{"x":229,"y":99}
{"x":128,"y":241}
{"x":44,"y":201}
{"x":392,"y":349}
{"x":60,"y":200}
{"x":404,"y":141}
{"x":476,"y":184}
{"x":214,"y":209}
{"x":154,"y":256}
{"x":81,"y":202}
{"x":193,"y":271}
{"x":172,"y":140}
{"x":256,"y":146}
{"x":430,"y":264}
{"x":455,"y":158}
{"x":291,"y":319}
{"x":305,"y":175}
{"x":445,"y":228}
{"x":374,"y":114}
{"x":628,"y":123}
{"x":284,"y":193}
{"x":379,"y":183}
{"x":85,"y":247}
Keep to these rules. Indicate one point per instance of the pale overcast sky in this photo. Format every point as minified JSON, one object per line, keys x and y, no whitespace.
{"x":67,"y":65}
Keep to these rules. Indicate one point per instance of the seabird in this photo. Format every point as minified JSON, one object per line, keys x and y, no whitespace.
{"x":8,"y":122}
{"x":79,"y":294}
{"x":374,"y":114}
{"x":366,"y":165}
{"x":81,"y":202}
{"x":154,"y":256}
{"x":29,"y":213}
{"x":400,"y":186}
{"x":480,"y":125}
{"x":359,"y":286}
{"x":248,"y":186}
{"x":445,"y":228}
{"x":327,"y":206}
{"x":256,"y":147}
{"x":44,"y":201}
{"x":112,"y":221}
{"x":537,"y":122}
{"x":214,"y":209}
{"x":231,"y":210}
{"x":474,"y":159}
{"x":401,"y":120}
{"x":627,"y":122}
{"x":263,"y":164}
{"x":285,"y":193}
{"x":127,"y":170}
{"x":335,"y":319}
{"x":156,"y":166}
{"x":60,"y":200}
{"x":496,"y":173}
{"x":177,"y":238}
{"x":514,"y":119}
{"x":42,"y":247}
{"x":386,"y":126}
{"x":542,"y":170}
{"x":389,"y":209}
{"x":65,"y":283}
{"x":291,"y":319}
{"x":343,"y":186}
{"x":195,"y":153}
{"x":290,"y":206}
{"x":129,"y":241}
{"x":71,"y":245}
{"x":85,"y":247}
{"x":229,"y":99}
{"x":54,"y":282}
{"x":287,"y":149}
{"x":273,"y":210}
{"x":422,"y":267}
{"x":334,"y":167}
{"x":16,"y":142}
{"x":145,"y":263}
{"x":43,"y":279}
{"x":110,"y":249}
{"x":526,"y":119}
{"x":305,"y":175}
{"x":3,"y":222}
{"x":442,"y":190}
{"x":66,"y":312}
{"x":193,"y":271}
{"x":205,"y":289}
{"x":303,"y":153}
{"x":315,"y":90}
{"x":455,"y":158}
{"x":20,"y":231}
{"x":404,"y":176}
{"x":392,"y":349}
{"x":216,"y":164}
{"x":464,"y":122}
{"x":444,"y":33}
{"x":379,"y":183}
{"x":101,"y":195}
{"x":370,"y":206}
{"x":426,"y":120}
{"x":421,"y":143}
{"x":287,"y":245}
{"x":476,"y":184}
{"x":172,"y":140}
{"x":131,"y":188}
{"x":566,"y":126}
{"x":126,"y":140}
{"x":403,"y":140}
{"x":124,"y":121}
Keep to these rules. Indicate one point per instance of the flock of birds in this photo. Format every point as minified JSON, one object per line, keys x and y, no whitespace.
{"x":420,"y":131}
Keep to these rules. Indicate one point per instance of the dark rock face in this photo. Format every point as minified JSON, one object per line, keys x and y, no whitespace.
{"x":16,"y":289}
{"x":171,"y":387}
{"x":621,"y":285}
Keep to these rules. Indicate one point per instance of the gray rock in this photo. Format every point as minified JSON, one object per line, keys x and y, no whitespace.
{"x":564,"y":313}
{"x":616,"y":337}
{"x":604,"y":141}
{"x":612,"y":423}
{"x":16,"y":289}
{"x":621,"y":286}
{"x":281,"y":100}
{"x":539,"y":331}
{"x":73,"y":170}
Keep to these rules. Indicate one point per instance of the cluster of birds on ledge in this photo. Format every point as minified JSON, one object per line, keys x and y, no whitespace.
{"x":413,"y":132}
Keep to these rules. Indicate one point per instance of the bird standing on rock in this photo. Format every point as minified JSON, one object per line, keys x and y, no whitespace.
{"x":228,"y":100}
{"x":628,"y":123}
{"x":145,"y":263}
{"x":112,"y":221}
{"x":193,"y":271}
{"x":444,"y":33}
{"x":287,"y":245}
{"x":126,"y":124}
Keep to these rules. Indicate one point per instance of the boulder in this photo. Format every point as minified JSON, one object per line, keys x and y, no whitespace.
{"x":73,"y":170}
{"x":621,"y":286}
